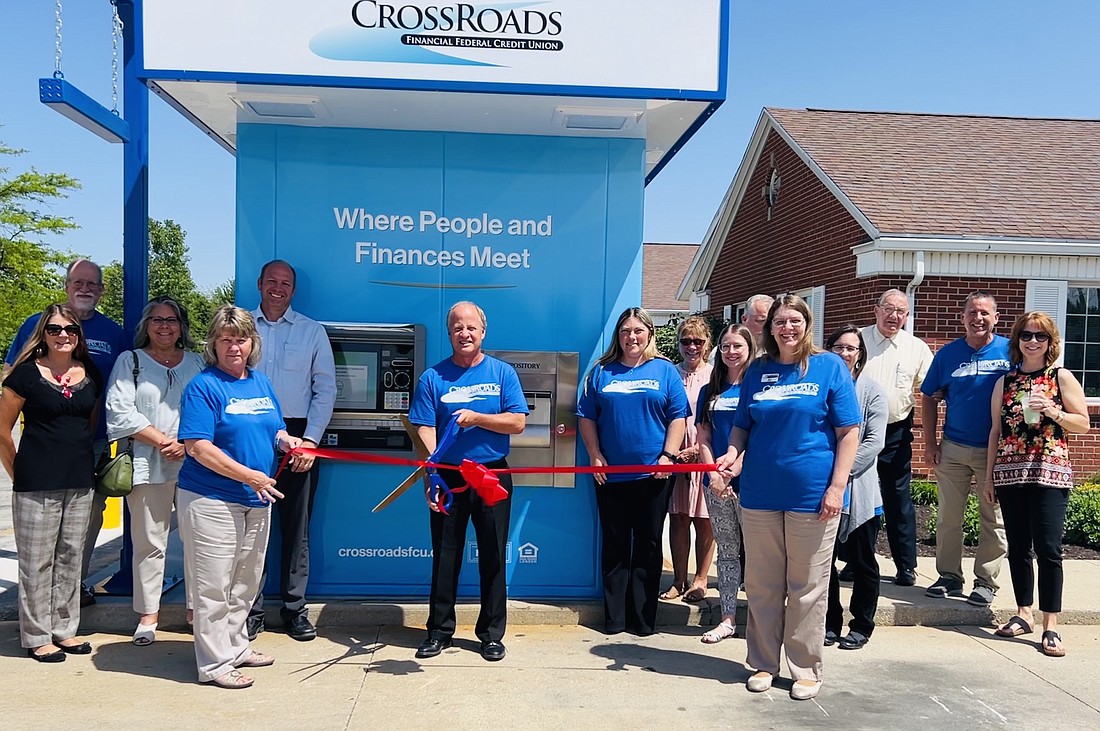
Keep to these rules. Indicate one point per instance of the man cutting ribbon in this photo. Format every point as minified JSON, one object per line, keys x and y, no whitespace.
{"x":484,"y":396}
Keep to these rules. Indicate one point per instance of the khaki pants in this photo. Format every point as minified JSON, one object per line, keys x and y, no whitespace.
{"x":150,"y":507}
{"x":958,"y":464}
{"x":224,"y":543}
{"x":787,"y":561}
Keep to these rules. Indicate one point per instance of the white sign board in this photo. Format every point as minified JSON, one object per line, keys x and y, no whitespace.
{"x":602,"y":47}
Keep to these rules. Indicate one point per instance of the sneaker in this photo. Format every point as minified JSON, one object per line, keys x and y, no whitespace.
{"x":944,"y":587}
{"x":906,"y":577}
{"x":982,"y":596}
{"x":254,"y":626}
{"x":87,"y":596}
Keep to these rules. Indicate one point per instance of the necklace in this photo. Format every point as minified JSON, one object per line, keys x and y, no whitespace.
{"x":64,"y":380}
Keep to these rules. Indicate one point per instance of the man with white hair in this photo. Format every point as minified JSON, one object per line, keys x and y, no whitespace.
{"x":756,"y":314}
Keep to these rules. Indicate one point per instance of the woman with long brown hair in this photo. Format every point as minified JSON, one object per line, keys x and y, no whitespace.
{"x":56,"y":387}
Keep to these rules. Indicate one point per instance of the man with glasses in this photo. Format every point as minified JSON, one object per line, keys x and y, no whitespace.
{"x":105,"y":341}
{"x":297,"y":357}
{"x":965,"y":371}
{"x":899,"y":362}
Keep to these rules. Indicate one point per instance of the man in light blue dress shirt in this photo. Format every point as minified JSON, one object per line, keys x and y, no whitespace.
{"x":297,"y":357}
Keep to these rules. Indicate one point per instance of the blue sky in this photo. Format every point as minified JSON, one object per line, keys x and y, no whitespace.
{"x":1010,"y":58}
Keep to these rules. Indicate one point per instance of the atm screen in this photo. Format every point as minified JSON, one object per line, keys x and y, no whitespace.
{"x":356,"y":379}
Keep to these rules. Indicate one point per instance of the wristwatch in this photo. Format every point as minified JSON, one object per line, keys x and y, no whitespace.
{"x":667,"y":454}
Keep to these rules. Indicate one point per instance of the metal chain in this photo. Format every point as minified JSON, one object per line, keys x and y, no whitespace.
{"x":116,"y":35}
{"x":57,"y":41}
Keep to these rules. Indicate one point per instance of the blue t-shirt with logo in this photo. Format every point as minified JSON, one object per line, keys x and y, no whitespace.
{"x":791,"y":420}
{"x":632,"y":408}
{"x":490,"y":387}
{"x":105,"y":341}
{"x":967,"y":377}
{"x":722,"y":412}
{"x":241,"y":417}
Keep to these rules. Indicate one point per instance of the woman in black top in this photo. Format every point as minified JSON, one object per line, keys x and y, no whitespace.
{"x":56,"y":387}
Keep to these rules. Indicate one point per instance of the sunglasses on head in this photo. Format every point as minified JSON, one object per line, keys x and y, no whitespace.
{"x":1026,"y":335}
{"x":697,"y":342}
{"x":55,"y":330}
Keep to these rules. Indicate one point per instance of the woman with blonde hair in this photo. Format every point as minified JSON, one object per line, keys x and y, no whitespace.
{"x":688,"y":505}
{"x":797,"y":426}
{"x":1034,"y":407}
{"x":231,"y":426}
{"x":632,"y":409}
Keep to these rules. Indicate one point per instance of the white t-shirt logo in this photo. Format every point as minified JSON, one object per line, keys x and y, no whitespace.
{"x":469,"y":394}
{"x":250,"y":406}
{"x":642,"y":384}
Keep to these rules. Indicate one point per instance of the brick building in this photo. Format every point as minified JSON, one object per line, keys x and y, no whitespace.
{"x":663,"y":268}
{"x":839,"y":206}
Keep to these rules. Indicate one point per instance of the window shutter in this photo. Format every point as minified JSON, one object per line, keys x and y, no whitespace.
{"x":1048,"y":296}
{"x":817,"y":308}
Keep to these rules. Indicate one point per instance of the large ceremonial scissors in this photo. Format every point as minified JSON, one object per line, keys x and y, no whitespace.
{"x":439,"y":492}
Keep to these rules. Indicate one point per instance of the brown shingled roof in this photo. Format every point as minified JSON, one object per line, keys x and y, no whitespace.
{"x":663,"y":268}
{"x":944,"y":175}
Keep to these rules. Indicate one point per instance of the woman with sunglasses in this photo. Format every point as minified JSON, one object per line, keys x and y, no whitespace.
{"x":861,"y":517}
{"x":632,"y":408}
{"x":1034,"y":407}
{"x":55,"y":385}
{"x":714,"y":419}
{"x":143,"y":404}
{"x":688,"y":506}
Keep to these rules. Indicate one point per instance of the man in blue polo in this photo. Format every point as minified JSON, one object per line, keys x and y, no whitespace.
{"x":964,"y":373}
{"x":105,"y":341}
{"x":485,"y":395}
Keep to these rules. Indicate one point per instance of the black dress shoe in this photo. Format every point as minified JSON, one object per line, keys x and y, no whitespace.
{"x":300,"y":628}
{"x":853,"y":641}
{"x":254,"y":626}
{"x":433,"y":646}
{"x":84,"y":648}
{"x":493,"y":650}
{"x":906,"y":577}
{"x":831,"y":638}
{"x":55,"y":656}
{"x":846,"y":575}
{"x":87,"y":596}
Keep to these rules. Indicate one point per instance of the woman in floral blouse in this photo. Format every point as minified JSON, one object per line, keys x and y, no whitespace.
{"x":1034,"y":407}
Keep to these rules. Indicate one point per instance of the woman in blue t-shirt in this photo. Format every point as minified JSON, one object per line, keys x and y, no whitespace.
{"x":231,"y":426}
{"x":796,"y":424}
{"x":714,"y":417}
{"x":632,"y":410}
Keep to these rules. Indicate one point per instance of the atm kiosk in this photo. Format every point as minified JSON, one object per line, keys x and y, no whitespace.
{"x":407,"y":156}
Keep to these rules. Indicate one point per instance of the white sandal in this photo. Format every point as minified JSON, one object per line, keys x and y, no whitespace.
{"x":722,"y":632}
{"x":145,"y":634}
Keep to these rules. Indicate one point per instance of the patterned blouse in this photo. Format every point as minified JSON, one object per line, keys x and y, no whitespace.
{"x":1031,"y":453}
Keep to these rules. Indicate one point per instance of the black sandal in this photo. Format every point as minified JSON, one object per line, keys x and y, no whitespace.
{"x":1050,"y":644}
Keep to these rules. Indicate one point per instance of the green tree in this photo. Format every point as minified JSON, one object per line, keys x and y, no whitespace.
{"x":30,"y":275}
{"x":169,"y":275}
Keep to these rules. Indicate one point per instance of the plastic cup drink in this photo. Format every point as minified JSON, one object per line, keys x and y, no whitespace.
{"x":1032,"y":416}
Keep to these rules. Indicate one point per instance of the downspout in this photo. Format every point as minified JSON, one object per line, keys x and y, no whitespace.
{"x":911,"y":289}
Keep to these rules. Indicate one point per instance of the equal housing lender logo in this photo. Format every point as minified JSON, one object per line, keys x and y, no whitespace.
{"x":411,"y":33}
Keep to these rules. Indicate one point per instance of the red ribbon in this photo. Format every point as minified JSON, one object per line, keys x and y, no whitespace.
{"x":341,"y":455}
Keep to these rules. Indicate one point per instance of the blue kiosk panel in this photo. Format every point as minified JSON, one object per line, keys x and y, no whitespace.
{"x":395,"y":226}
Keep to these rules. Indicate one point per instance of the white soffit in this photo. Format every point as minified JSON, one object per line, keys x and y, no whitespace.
{"x":218,"y":107}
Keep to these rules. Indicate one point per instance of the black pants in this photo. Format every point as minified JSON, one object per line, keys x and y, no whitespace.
{"x":1035,"y":515}
{"x":632,"y":518}
{"x":895,"y":471}
{"x":449,"y":551}
{"x":293,"y":512}
{"x":859,"y":550}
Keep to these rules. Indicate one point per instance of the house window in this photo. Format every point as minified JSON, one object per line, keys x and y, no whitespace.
{"x":1082,"y":337}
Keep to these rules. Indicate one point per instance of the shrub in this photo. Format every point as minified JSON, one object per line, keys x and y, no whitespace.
{"x":1083,"y":518}
{"x":924,"y":492}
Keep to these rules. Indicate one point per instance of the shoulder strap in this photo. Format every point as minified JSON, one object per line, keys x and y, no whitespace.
{"x":133,"y":354}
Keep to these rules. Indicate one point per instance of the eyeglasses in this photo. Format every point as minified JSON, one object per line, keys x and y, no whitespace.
{"x":728,"y":348}
{"x":55,"y":330}
{"x":697,"y":342}
{"x":1027,"y":335}
{"x":85,"y":284}
{"x":164,"y":320}
{"x":793,"y":322}
{"x":893,"y":310}
{"x":842,"y":349}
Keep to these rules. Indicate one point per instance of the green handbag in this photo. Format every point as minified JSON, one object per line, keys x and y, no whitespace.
{"x":114,"y":476}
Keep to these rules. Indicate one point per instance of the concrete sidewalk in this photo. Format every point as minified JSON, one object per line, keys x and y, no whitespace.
{"x":559,"y":677}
